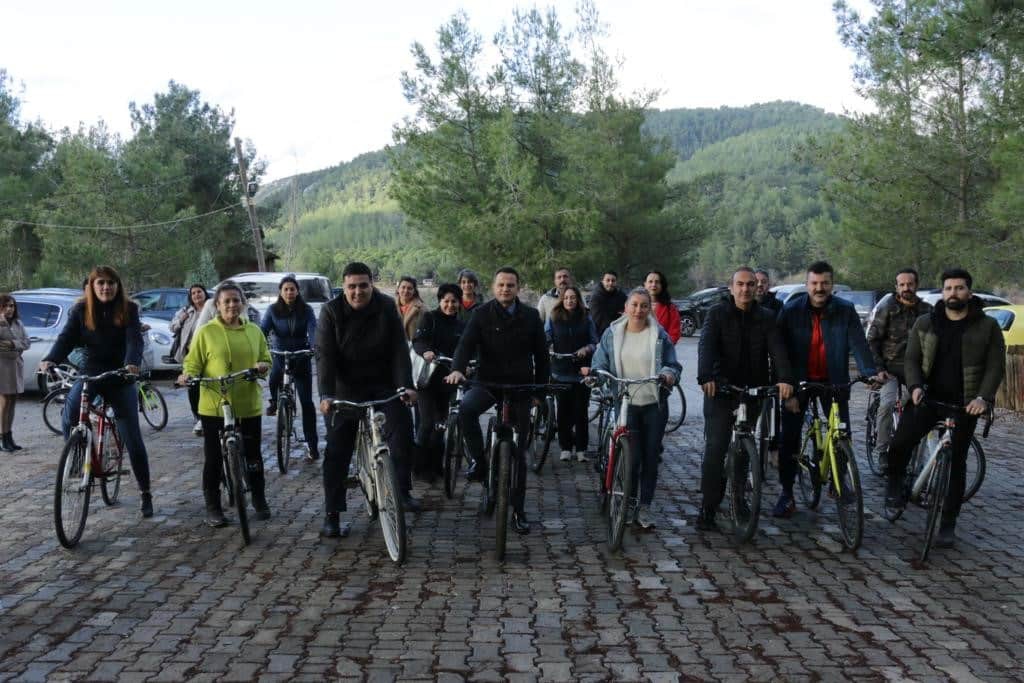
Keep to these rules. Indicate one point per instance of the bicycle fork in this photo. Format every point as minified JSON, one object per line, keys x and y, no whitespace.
{"x":922,"y":479}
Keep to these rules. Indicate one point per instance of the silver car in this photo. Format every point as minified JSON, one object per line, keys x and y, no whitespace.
{"x":43,"y":315}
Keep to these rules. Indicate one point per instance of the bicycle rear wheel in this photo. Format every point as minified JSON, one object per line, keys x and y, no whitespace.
{"x":676,"y":409}
{"x":808,"y":474}
{"x":975,"y":468}
{"x":113,"y":463}
{"x":501,"y":495}
{"x":389,"y":507}
{"x":619,"y":497}
{"x":284,"y":434}
{"x":938,"y":485}
{"x":452,"y":455}
{"x":871,"y":434}
{"x":743,"y":488}
{"x":233,"y":453}
{"x":543,"y":434}
{"x":53,"y":410}
{"x":849,"y":497}
{"x":490,"y":449}
{"x":71,"y":492}
{"x":153,"y":406}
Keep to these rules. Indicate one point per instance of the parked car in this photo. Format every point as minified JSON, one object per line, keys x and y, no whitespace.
{"x":162,"y":302}
{"x":694,"y":308}
{"x":261,"y":288}
{"x":156,"y":334}
{"x":933,"y":296}
{"x":43,"y":315}
{"x":1011,"y":322}
{"x":863,"y":300}
{"x":783,"y":292}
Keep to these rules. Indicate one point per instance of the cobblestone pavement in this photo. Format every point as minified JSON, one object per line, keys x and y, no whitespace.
{"x":171,"y":599}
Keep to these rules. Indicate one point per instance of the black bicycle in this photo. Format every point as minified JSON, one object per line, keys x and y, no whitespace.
{"x":286,"y":405}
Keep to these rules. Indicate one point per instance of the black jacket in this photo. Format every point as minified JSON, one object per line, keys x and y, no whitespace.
{"x":511,"y":349}
{"x":605,"y":307}
{"x":771,"y":302}
{"x":108,"y":347}
{"x":719,"y":351}
{"x":363,"y":354}
{"x":438,"y":332}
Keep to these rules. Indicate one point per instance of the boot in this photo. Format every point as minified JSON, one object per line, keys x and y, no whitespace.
{"x":10,"y":442}
{"x":257,"y":485}
{"x":214,"y":514}
{"x":147,"y":504}
{"x":6,"y":444}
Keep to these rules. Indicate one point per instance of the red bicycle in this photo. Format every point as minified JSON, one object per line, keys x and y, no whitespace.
{"x":617,"y":461}
{"x":93,"y":451}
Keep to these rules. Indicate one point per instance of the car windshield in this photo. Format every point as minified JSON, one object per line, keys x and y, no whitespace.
{"x":860,"y":299}
{"x":1003,"y":317}
{"x":312,"y":290}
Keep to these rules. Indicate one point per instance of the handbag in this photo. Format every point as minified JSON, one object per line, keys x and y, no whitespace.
{"x":422,"y":369}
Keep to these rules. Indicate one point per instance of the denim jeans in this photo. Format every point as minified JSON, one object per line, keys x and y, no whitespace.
{"x":647,"y":428}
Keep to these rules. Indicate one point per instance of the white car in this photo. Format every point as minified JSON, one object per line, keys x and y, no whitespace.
{"x":43,"y":313}
{"x":157,"y":340}
{"x":783,"y":292}
{"x":261,"y":289}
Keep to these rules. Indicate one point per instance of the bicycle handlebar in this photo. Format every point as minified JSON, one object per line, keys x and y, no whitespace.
{"x":564,"y":356}
{"x":119,"y":372}
{"x":622,"y":380}
{"x":988,"y":416}
{"x":524,"y":388}
{"x":293,"y":354}
{"x":250,"y":374}
{"x":753,"y":392}
{"x":338,"y":403}
{"x":828,"y":387}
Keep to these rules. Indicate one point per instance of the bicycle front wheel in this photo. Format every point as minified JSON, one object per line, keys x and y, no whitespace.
{"x":452,"y":455}
{"x":975,"y":468}
{"x":743,"y":487}
{"x":620,"y":494}
{"x":938,"y":486}
{"x":490,"y":450}
{"x":113,"y":463}
{"x":808,"y":474}
{"x":53,"y":410}
{"x":153,"y":406}
{"x":284,"y":435}
{"x":849,"y":497}
{"x":233,"y":453}
{"x":389,"y":508}
{"x":676,"y":409}
{"x":501,"y":495}
{"x":71,"y":492}
{"x":544,"y":433}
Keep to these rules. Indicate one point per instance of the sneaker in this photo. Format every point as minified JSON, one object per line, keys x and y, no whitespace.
{"x":644,"y":517}
{"x":197,"y":428}
{"x":271,"y":409}
{"x":566,"y":456}
{"x":581,"y":456}
{"x":785,"y":506}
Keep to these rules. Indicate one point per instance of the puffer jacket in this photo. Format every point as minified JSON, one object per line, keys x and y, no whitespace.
{"x":889,"y":331}
{"x":983,"y":349}
{"x":294,"y":331}
{"x":567,"y":336}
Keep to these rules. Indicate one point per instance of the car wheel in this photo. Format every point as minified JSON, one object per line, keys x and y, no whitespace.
{"x":687,"y":325}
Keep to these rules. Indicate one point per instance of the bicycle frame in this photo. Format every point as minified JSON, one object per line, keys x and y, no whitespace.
{"x":621,"y":418}
{"x":95,"y":437}
{"x":948,"y":426}
{"x":825,"y":441}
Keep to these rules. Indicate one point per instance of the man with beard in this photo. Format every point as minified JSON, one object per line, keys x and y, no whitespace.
{"x":563,"y":278}
{"x":607,"y":302}
{"x":958,"y":353}
{"x":765,"y":298}
{"x":887,"y":337}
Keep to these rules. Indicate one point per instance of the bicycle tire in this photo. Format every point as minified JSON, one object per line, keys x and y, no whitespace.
{"x":53,"y":410}
{"x":389,"y":508}
{"x":153,"y":406}
{"x":227,"y":482}
{"x":849,"y":497}
{"x":452,"y":455}
{"x":113,"y":463}
{"x":808,"y":474}
{"x":70,"y":501}
{"x":503,"y":452}
{"x":871,"y":434}
{"x":744,"y":487}
{"x":938,"y":485}
{"x":763,"y":439}
{"x":975,"y":474}
{"x":237,"y":467}
{"x":675,"y":421}
{"x":283,"y":436}
{"x":543,"y":436}
{"x":621,"y":491}
{"x":491,"y":477}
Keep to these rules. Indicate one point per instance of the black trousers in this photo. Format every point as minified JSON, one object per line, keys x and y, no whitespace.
{"x":475,"y":403}
{"x":193,"y":400}
{"x":719,"y":417}
{"x":573,"y":425}
{"x":432,"y":404}
{"x":342,"y":430}
{"x":213,"y":458}
{"x":915,"y":424}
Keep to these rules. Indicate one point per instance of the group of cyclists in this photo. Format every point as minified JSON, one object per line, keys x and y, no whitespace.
{"x":366,"y":342}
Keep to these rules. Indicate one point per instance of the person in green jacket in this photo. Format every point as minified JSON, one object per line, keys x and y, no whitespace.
{"x":227,"y":344}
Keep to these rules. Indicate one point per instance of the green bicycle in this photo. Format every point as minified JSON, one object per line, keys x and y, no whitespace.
{"x":826,"y":459}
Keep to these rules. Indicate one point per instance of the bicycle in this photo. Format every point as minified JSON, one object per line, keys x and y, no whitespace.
{"x":871,"y":425}
{"x":926,"y":480}
{"x":375,"y":472}
{"x":616,"y":462}
{"x":60,"y":379}
{"x":544,"y":424}
{"x":285,"y":429}
{"x":744,"y":466}
{"x":454,"y":444}
{"x":151,"y":403}
{"x":502,"y":439}
{"x":675,"y":419}
{"x":91,"y":452}
{"x":826,"y":455}
{"x":231,"y":445}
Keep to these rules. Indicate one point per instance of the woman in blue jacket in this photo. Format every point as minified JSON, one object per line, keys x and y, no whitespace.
{"x":570,"y":330}
{"x":290,"y":324}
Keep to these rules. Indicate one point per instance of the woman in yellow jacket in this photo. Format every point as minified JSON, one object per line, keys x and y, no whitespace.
{"x":227,"y":344}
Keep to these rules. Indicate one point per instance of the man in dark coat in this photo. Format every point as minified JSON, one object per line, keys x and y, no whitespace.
{"x":607,"y":302}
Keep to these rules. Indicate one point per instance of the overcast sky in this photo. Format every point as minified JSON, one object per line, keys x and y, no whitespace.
{"x":314,"y":83}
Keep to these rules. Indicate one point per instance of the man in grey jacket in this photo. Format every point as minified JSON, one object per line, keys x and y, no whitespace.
{"x":563,"y":278}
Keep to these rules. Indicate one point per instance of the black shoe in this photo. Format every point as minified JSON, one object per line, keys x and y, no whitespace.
{"x":313,"y":454}
{"x":476,"y":471}
{"x":946,"y":537}
{"x":6,"y":445}
{"x":520,"y":524}
{"x":214,"y":513}
{"x":147,"y":504}
{"x":331,"y":527}
{"x":271,"y":409}
{"x":894,"y":499}
{"x":410,"y":504}
{"x":706,"y":519}
{"x":9,"y":444}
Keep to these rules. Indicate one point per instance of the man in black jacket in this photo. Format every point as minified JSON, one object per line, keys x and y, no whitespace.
{"x":363,"y":356}
{"x":765,"y":297}
{"x":739,"y":345}
{"x":507,"y":338}
{"x":607,"y":302}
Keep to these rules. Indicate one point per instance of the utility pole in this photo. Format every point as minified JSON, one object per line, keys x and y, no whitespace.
{"x":295,"y":218}
{"x":256,"y":237}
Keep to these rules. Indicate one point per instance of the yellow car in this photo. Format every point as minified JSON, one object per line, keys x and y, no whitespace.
{"x":1011,"y":320}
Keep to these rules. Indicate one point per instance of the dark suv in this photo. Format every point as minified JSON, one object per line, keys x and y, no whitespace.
{"x":694,"y":308}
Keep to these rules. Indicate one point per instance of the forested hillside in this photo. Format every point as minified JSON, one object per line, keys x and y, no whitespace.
{"x":763,"y":202}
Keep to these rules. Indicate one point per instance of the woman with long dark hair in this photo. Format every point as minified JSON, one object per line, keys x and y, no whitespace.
{"x":664,"y":310}
{"x":570,"y":330}
{"x":184,"y":326}
{"x":105,"y":322}
{"x":13,"y":342}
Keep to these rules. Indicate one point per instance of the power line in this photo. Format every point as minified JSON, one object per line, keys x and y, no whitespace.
{"x":113,"y":190}
{"x":139,"y":226}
